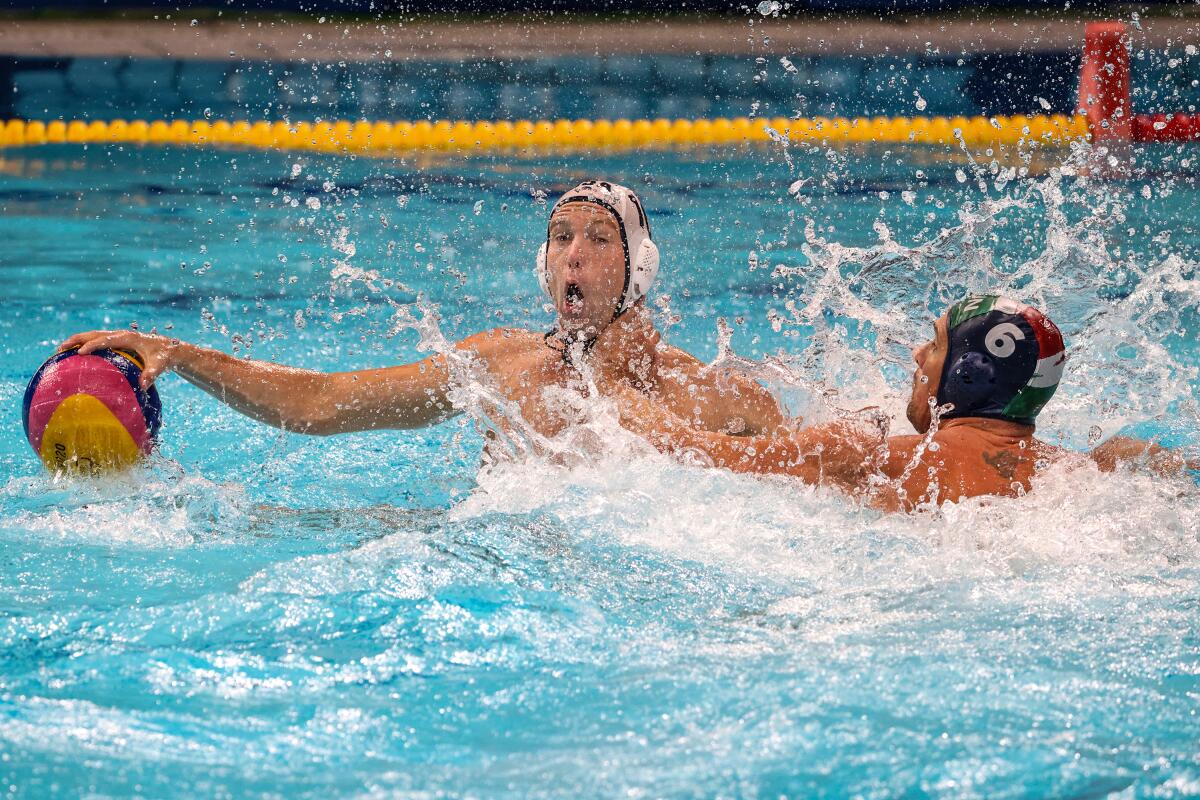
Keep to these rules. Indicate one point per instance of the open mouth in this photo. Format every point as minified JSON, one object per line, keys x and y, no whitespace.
{"x":573,"y":298}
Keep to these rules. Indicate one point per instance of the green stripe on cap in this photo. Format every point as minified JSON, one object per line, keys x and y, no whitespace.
{"x":976,"y":305}
{"x":971,"y":306}
{"x":1026,"y":404}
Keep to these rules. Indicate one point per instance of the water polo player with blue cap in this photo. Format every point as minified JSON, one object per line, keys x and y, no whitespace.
{"x":991,"y":367}
{"x":1005,"y":360}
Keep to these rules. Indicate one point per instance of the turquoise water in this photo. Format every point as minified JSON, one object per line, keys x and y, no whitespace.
{"x":370,"y":615}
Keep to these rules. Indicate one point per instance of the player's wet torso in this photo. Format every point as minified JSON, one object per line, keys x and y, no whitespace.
{"x":532,"y":371}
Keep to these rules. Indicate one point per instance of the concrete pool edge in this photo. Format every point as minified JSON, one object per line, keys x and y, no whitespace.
{"x":256,"y":40}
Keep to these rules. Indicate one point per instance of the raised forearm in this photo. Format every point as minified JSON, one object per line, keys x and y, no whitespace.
{"x":750,"y":409}
{"x":721,"y":403}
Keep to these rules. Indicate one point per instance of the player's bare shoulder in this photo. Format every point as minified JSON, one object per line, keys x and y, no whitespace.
{"x":680,"y":369}
{"x":677,"y":366}
{"x":502,"y":343}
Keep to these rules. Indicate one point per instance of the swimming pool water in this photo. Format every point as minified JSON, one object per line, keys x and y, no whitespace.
{"x":369,"y":615}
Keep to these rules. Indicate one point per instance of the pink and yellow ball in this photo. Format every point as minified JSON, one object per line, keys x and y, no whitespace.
{"x":88,"y":414}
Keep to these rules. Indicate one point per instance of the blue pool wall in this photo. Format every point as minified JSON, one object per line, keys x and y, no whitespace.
{"x":593,"y":87}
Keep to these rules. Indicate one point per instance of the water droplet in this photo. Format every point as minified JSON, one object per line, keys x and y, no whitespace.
{"x":313,"y":203}
{"x":1043,"y":102}
{"x":296,"y":170}
{"x":960,"y":175}
{"x":769,"y":7}
{"x":478,"y":207}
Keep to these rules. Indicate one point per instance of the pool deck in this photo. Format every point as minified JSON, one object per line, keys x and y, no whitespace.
{"x":290,"y":40}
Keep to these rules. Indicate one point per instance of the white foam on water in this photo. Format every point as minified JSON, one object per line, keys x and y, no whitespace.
{"x":154,"y":506}
{"x":1074,"y":516}
{"x":841,"y":570}
{"x":1087,"y":529}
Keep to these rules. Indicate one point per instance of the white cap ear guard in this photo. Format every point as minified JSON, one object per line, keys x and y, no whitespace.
{"x":543,"y":278}
{"x":642,"y":274}
{"x":641,"y":254}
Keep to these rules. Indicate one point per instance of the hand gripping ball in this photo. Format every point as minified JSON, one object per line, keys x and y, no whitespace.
{"x":87,"y":413}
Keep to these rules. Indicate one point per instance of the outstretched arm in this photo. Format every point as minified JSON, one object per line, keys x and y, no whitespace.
{"x":409,"y":396}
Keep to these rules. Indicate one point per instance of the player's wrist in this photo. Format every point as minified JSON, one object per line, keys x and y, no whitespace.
{"x":178,"y":355}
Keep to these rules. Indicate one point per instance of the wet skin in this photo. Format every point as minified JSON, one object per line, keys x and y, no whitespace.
{"x":965,"y":457}
{"x":586,"y":272}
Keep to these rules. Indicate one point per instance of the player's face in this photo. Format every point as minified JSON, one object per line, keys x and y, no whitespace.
{"x":585,"y":266}
{"x":929,"y":357}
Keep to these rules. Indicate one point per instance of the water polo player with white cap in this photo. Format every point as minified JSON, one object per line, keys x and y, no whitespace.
{"x":597,"y":263}
{"x":598,"y":259}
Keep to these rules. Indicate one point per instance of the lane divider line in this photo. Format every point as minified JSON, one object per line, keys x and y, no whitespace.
{"x":364,"y":136}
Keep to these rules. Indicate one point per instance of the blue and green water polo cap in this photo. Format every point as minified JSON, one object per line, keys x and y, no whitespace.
{"x":1005,"y":360}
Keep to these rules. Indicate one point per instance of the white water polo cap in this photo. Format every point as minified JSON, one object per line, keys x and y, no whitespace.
{"x":641,"y":254}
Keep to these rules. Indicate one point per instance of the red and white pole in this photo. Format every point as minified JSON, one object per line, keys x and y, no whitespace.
{"x":1104,"y":82}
